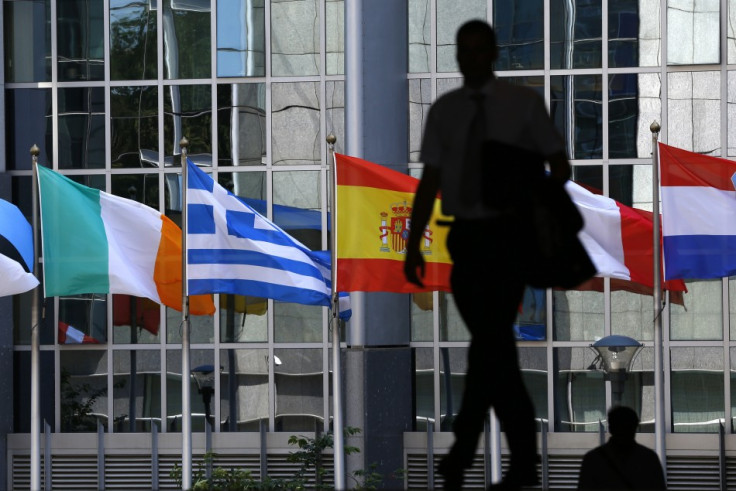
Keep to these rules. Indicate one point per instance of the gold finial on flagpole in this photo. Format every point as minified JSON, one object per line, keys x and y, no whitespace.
{"x":35,"y":150}
{"x":654,"y":127}
{"x":331,"y":139}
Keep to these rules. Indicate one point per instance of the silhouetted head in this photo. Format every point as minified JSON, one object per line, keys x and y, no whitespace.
{"x":476,"y":52}
{"x":622,"y":422}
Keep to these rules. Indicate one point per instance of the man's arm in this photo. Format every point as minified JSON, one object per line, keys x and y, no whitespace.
{"x":420,"y":215}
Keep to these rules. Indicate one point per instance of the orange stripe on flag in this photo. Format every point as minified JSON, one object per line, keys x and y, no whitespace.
{"x":374,"y":207}
{"x":167,"y":273}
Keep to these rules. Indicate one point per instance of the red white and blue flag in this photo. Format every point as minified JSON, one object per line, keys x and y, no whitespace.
{"x":698,"y":214}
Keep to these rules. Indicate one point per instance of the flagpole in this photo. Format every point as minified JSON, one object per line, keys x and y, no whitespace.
{"x":35,"y":350}
{"x":659,"y":430}
{"x":337,"y":423}
{"x":186,"y":410}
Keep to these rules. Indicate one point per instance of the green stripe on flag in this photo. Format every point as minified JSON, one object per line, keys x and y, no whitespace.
{"x":75,"y":251}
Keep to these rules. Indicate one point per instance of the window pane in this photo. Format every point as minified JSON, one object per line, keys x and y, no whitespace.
{"x":633,"y":104}
{"x":198,"y":406}
{"x":83,"y":390}
{"x":187,"y":25}
{"x":580,"y":392}
{"x":82,"y":128}
{"x":422,"y":316}
{"x":420,"y":95}
{"x":578,"y":315}
{"x":693,"y":32}
{"x":731,"y":104}
{"x":83,"y":319}
{"x":133,"y":38}
{"x":533,"y":363}
{"x":80,"y":36}
{"x":423,"y":388}
{"x":419,"y":35}
{"x":294,"y":37}
{"x":243,"y":319}
{"x":450,"y":16}
{"x":531,"y":322}
{"x":241,"y":38}
{"x":697,"y":389}
{"x":201,"y":327}
{"x":28,"y":122}
{"x":135,"y":320}
{"x":137,"y":390}
{"x":633,"y":33}
{"x":241,"y":124}
{"x":701,"y":316}
{"x":695,"y":111}
{"x":296,"y":323}
{"x":335,"y":112}
{"x":295,"y":126}
{"x":731,"y":32}
{"x":575,"y":34}
{"x":188,"y":112}
{"x":576,"y":108}
{"x":335,"y":36}
{"x":519,"y":26}
{"x":732,"y":379}
{"x":453,"y":368}
{"x":27,"y":33}
{"x":244,"y":398}
{"x":134,"y":126}
{"x":452,"y":327}
{"x":22,"y":390}
{"x":299,"y":385}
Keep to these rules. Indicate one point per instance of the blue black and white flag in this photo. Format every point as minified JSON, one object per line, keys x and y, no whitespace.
{"x":231,"y":248}
{"x":16,"y":251}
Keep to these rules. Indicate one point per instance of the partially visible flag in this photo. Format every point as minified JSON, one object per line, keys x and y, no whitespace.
{"x":231,"y":248}
{"x":618,"y":240}
{"x":374,"y":205}
{"x":698,"y":214}
{"x":71,"y":335}
{"x":146,"y":312}
{"x":16,"y":251}
{"x":95,"y":242}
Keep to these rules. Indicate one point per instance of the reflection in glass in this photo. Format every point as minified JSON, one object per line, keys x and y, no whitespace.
{"x":631,"y":185}
{"x":450,"y":16}
{"x":241,"y":120}
{"x":575,"y":34}
{"x":633,"y":104}
{"x":577,"y":315}
{"x":197,"y":357}
{"x":731,"y":33}
{"x":519,"y":26}
{"x":422,"y":317}
{"x":21,"y":380}
{"x":244,"y":396}
{"x":83,"y":315}
{"x":133,"y":40}
{"x":335,"y":36}
{"x":135,"y":320}
{"x":28,"y":122}
{"x":420,"y":98}
{"x":453,"y":368}
{"x":243,"y":319}
{"x":301,"y":192}
{"x":80,"y":36}
{"x":445,"y":85}
{"x":531,"y":321}
{"x":295,"y":126}
{"x":134,"y":126}
{"x":423,"y":388}
{"x":188,"y":112}
{"x":335,"y":112}
{"x":701,"y":317}
{"x":296,"y":323}
{"x":580,"y":391}
{"x":27,"y":33}
{"x":576,"y":108}
{"x":732,"y":306}
{"x":631,"y":313}
{"x":731,"y":105}
{"x":697,"y":389}
{"x":533,"y":363}
{"x":732,"y":381}
{"x":419,"y":35}
{"x":452,"y":327}
{"x":623,"y":33}
{"x":298,"y":380}
{"x":186,"y":39}
{"x":694,"y":111}
{"x":241,"y":38}
{"x":83,"y":390}
{"x":294,"y":37}
{"x":693,"y":32}
{"x":201,"y":327}
{"x":81,"y":128}
{"x":136,"y":390}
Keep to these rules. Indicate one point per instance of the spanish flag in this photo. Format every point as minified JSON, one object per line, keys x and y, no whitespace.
{"x":374,"y":207}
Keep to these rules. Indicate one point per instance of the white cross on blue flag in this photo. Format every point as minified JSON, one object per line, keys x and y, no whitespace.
{"x":231,"y":248}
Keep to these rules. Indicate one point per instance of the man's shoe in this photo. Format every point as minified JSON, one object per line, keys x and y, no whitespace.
{"x":452,"y":472}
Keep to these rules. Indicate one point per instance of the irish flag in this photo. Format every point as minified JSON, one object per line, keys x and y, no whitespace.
{"x":374,"y":206}
{"x":95,"y":242}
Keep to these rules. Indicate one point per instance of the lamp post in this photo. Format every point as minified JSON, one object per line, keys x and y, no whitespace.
{"x":616,"y":354}
{"x":204,"y":375}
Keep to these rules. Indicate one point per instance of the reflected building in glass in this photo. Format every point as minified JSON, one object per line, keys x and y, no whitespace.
{"x":108,"y":89}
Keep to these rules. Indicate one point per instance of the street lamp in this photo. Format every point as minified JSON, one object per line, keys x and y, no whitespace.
{"x":616,"y":354}
{"x":204,"y":375}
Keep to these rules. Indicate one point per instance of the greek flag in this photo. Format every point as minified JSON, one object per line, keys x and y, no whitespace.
{"x":231,"y":248}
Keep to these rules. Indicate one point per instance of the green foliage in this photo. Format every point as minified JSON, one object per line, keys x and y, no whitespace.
{"x":77,"y":404}
{"x":309,"y":458}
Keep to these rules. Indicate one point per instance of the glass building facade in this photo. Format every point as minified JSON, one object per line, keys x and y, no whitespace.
{"x":107,"y":90}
